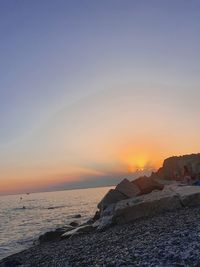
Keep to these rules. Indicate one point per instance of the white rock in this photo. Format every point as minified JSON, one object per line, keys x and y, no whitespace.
{"x":188,"y":195}
{"x":103,"y":222}
{"x":146,"y":206}
{"x":78,"y":230}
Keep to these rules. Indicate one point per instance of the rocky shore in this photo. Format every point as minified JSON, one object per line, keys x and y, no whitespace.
{"x":151,"y":221}
{"x":169,"y":239}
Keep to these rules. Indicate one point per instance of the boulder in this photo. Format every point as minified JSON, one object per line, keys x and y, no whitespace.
{"x":96,"y":216}
{"x":54,"y":235}
{"x":74,"y":224}
{"x":79,"y":230}
{"x":177,"y":168}
{"x":109,"y":210}
{"x":90,"y":221}
{"x":145,"y":206}
{"x":188,"y":195}
{"x":146,"y":185}
{"x":127,"y":188}
{"x":113,"y":196}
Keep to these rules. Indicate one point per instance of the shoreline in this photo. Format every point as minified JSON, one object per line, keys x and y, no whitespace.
{"x":52,"y":191}
{"x":168,"y":239}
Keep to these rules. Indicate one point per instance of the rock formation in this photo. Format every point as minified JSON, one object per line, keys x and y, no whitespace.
{"x":144,"y":196}
{"x":172,"y":197}
{"x":147,"y":196}
{"x":113,"y":196}
{"x":128,"y":189}
{"x":147,"y":184}
{"x":177,"y":168}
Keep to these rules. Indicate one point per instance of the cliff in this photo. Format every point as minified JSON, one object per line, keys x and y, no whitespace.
{"x":177,"y":168}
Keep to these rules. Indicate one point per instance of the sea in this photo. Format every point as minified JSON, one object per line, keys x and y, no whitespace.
{"x":24,"y":217}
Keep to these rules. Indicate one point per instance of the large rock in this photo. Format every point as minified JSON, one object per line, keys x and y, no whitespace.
{"x":79,"y":230}
{"x":109,"y":210}
{"x":127,"y":188}
{"x":104,"y":222}
{"x":146,"y":206}
{"x":96,"y":216}
{"x":176,"y":168}
{"x":188,"y":195}
{"x":172,"y":197}
{"x":74,"y":224}
{"x":146,"y":185}
{"x":113,"y":196}
{"x":54,"y":235}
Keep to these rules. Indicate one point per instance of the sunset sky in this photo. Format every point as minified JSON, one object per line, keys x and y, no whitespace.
{"x":93,"y":91}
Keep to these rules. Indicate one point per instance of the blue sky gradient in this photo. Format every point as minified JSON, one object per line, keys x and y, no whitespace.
{"x":60,"y":60}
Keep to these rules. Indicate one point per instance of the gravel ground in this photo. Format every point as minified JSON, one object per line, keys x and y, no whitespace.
{"x":170,"y":239}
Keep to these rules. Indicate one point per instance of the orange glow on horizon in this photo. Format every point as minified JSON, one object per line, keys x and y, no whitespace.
{"x":142,"y":156}
{"x":32,"y":179}
{"x":137,"y":163}
{"x":124,"y":158}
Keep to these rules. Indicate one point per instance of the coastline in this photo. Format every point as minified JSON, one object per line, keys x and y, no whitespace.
{"x":168,"y":239}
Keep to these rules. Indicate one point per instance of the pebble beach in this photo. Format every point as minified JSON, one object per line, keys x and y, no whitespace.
{"x":169,"y":239}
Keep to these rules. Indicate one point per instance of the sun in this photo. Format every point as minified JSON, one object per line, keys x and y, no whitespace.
{"x":137,"y":163}
{"x":141,"y":157}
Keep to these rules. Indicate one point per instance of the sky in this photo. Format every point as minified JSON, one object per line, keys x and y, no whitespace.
{"x":95,"y":91}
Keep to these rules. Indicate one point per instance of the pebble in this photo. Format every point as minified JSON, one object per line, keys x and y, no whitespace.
{"x":167,"y":240}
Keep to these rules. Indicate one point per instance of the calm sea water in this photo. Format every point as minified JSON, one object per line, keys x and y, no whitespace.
{"x":19,"y":227}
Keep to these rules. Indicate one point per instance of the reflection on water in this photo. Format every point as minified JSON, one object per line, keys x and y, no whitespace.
{"x":24,"y":217}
